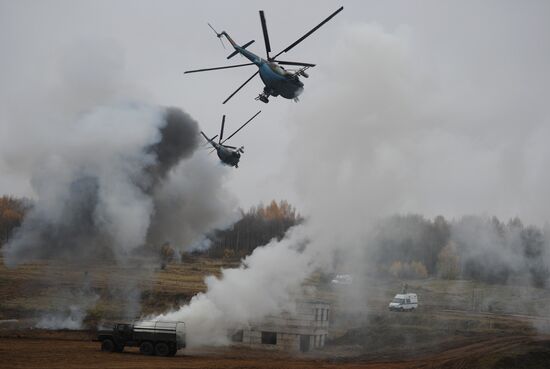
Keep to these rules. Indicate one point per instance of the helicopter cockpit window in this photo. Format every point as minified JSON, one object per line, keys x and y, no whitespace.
{"x":278,"y":69}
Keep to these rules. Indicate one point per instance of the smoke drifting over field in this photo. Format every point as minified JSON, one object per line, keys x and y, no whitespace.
{"x":395,"y":138}
{"x":267,"y":282}
{"x":110,"y":174}
{"x":448,"y":118}
{"x":95,"y":191}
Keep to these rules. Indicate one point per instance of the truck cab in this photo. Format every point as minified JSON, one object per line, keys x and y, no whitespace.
{"x":404,"y":302}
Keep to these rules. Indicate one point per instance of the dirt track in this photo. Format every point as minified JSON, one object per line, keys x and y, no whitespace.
{"x":40,"y":353}
{"x":59,"y":351}
{"x":449,"y":336}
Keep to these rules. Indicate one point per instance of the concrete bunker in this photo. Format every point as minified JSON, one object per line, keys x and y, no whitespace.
{"x":303,"y":330}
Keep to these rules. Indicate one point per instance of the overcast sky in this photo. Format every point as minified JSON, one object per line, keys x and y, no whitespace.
{"x":438,"y":107}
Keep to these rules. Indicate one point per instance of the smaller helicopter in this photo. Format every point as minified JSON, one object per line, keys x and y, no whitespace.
{"x":229,"y":155}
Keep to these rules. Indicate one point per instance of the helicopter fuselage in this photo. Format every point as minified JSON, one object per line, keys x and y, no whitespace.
{"x":276,"y":79}
{"x":284,"y":83}
{"x":227,"y":155}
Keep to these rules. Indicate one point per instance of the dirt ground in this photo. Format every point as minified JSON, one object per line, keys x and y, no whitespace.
{"x":62,"y":349}
{"x":461,"y":324}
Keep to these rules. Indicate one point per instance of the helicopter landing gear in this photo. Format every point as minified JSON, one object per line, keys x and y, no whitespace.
{"x":263,"y":98}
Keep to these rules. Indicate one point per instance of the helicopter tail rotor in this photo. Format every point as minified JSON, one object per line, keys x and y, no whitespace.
{"x":219,"y":35}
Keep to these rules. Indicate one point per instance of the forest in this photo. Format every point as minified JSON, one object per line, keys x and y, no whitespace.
{"x":256,"y":227}
{"x":472,"y":247}
{"x":12,"y":212}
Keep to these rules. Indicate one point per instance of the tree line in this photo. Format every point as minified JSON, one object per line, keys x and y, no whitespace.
{"x":404,"y":246}
{"x":256,"y":227}
{"x":472,"y":247}
{"x":12,"y":212}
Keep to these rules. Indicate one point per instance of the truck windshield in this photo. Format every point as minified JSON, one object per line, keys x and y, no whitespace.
{"x":399,"y":301}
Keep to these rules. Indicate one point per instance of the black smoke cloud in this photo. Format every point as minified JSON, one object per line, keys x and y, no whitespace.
{"x":72,"y":223}
{"x":178,"y":140}
{"x":104,"y":166}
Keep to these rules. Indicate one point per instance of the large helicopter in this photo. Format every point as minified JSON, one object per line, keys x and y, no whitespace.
{"x":229,"y":155}
{"x":277,"y":80}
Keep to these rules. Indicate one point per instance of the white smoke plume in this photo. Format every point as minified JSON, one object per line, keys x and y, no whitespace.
{"x":72,"y":316}
{"x":93,"y":187}
{"x":379,"y":130}
{"x":265,"y":283}
{"x":71,"y":319}
{"x":110,"y":173}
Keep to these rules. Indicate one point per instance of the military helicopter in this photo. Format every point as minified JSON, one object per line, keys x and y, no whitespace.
{"x":229,"y":155}
{"x":277,"y":80}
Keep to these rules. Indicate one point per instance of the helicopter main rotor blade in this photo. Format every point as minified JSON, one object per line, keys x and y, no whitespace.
{"x":206,"y":137}
{"x":217,"y":68}
{"x":294,"y":63}
{"x":221,"y":132}
{"x":266,"y":36}
{"x":309,"y":33}
{"x":241,"y":86}
{"x":241,"y":127}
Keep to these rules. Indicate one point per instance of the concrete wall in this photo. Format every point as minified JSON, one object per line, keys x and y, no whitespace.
{"x":310,"y":320}
{"x":285,"y":341}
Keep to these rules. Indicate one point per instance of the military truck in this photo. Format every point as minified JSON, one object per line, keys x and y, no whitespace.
{"x":152,"y":337}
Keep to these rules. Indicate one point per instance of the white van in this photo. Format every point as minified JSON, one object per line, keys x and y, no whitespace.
{"x":404,"y":302}
{"x":342,"y":279}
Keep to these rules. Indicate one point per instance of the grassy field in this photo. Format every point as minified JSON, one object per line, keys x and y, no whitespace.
{"x":458,"y":324}
{"x":32,"y":288}
{"x":35,"y":288}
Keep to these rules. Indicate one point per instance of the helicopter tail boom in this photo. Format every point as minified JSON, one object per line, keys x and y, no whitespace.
{"x":210,"y":140}
{"x":238,"y":48}
{"x":237,"y":51}
{"x":223,"y":33}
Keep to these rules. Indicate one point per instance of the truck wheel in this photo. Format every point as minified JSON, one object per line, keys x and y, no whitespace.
{"x":173,"y":351}
{"x":119,"y":348}
{"x":162,"y":349}
{"x":107,"y":345}
{"x":146,"y":348}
